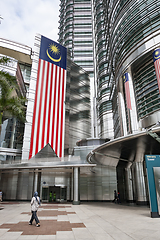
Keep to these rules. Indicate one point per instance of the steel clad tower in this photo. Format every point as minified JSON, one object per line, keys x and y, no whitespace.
{"x":117,"y":48}
{"x":103,"y":99}
{"x":76,"y":34}
{"x":75,"y":31}
{"x":81,"y":30}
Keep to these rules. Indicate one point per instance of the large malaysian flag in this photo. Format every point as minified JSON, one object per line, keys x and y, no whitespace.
{"x":49,"y":107}
{"x":156,"y":59}
{"x":127,"y":90}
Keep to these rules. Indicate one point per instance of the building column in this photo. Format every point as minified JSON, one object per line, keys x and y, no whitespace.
{"x":121,"y":109}
{"x":141,"y":197}
{"x":76,"y":194}
{"x":129,"y":183}
{"x":140,"y":183}
{"x":35,"y":181}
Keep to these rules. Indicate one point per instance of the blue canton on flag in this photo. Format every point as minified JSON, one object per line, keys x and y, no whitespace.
{"x":156,"y":55}
{"x":53,"y":52}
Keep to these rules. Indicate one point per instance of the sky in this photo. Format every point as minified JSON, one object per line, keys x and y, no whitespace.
{"x":22,"y":19}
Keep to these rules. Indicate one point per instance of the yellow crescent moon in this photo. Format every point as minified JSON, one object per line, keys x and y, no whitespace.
{"x":54,"y":60}
{"x":156,"y":57}
{"x":157,"y":53}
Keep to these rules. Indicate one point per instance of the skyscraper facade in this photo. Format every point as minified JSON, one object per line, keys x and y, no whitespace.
{"x":132,"y":35}
{"x":102,"y":75}
{"x":75,"y":31}
{"x":81,"y":30}
{"x":76,"y":34}
{"x":111,"y":39}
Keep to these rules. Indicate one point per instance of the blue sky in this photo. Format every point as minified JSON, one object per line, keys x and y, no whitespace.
{"x":22,"y":19}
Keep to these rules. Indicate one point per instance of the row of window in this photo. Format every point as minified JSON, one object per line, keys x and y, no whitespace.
{"x":84,"y":63}
{"x":126,"y":44}
{"x":105,"y":106}
{"x":136,"y":24}
{"x":146,"y":89}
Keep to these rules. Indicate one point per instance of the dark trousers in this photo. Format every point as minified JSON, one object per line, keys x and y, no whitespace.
{"x":34,"y":216}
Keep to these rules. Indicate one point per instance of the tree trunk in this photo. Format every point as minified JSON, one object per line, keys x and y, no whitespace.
{"x":1,"y":115}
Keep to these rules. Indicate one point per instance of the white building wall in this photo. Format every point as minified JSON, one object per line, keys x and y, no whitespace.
{"x":31,"y":98}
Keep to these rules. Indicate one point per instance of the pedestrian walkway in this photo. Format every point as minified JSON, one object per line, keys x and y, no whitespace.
{"x":96,"y":221}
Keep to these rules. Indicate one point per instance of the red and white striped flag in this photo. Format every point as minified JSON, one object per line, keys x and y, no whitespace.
{"x":156,"y":59}
{"x":127,"y":90}
{"x":49,"y":107}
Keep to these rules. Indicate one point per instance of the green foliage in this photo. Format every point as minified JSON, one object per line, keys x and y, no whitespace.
{"x":10,"y":102}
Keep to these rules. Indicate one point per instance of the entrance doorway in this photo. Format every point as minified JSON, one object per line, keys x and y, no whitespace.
{"x":54,"y":194}
{"x":121,"y":181}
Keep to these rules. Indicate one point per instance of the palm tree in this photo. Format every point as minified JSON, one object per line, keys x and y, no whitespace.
{"x":10,"y":101}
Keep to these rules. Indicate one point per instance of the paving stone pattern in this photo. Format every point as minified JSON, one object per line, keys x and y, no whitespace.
{"x":87,"y":221}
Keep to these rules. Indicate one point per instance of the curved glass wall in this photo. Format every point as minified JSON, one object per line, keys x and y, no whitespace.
{"x":132,"y":22}
{"x":146,"y":88}
{"x":131,"y":30}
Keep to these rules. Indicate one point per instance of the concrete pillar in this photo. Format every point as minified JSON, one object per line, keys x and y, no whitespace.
{"x":129,"y":183}
{"x":121,"y":109}
{"x":129,"y":177}
{"x":76,"y":195}
{"x":140,"y":183}
{"x":35,"y":184}
{"x":141,"y":197}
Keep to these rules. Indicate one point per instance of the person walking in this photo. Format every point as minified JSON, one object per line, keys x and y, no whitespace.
{"x":115,"y":197}
{"x":1,"y":195}
{"x":35,"y":203}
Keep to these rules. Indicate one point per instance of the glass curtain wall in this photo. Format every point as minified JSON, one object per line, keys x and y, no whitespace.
{"x":146,"y":88}
{"x":78,"y":115}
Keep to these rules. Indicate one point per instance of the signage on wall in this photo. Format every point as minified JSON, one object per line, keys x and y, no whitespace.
{"x":153,"y":174}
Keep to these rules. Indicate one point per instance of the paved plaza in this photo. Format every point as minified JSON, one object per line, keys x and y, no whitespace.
{"x":96,"y":221}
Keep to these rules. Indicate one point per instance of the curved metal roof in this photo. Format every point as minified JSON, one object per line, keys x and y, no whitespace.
{"x":125,"y":148}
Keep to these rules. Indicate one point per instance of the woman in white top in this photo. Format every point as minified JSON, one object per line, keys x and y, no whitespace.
{"x":35,"y":202}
